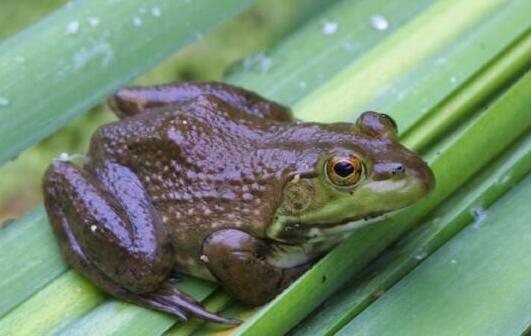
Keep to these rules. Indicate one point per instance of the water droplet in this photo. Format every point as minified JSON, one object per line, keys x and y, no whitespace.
{"x":453,"y":261}
{"x":98,"y":50}
{"x":64,"y":157}
{"x":379,"y":22}
{"x":156,"y":11}
{"x":72,"y":27}
{"x":303,"y":84}
{"x":422,"y":254}
{"x":453,"y":80}
{"x":93,"y":228}
{"x":4,"y":101}
{"x":329,"y":27}
{"x":93,"y":21}
{"x":137,"y":22}
{"x":70,"y":157}
{"x":480,"y":215}
{"x":258,"y":62}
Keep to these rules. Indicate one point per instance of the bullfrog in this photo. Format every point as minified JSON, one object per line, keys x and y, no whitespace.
{"x":211,"y":180}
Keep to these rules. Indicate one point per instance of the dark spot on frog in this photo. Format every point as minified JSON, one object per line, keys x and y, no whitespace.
{"x":259,"y":256}
{"x":323,"y":279}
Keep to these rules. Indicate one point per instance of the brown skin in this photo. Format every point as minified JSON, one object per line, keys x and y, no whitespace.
{"x":191,"y":180}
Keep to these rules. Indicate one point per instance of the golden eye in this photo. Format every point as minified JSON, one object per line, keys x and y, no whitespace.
{"x":344,"y":171}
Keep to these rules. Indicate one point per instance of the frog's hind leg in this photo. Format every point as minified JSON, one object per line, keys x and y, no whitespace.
{"x":130,"y":260}
{"x":239,"y":262}
{"x":135,"y":100}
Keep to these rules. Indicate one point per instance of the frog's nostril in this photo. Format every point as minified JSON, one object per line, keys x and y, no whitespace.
{"x":389,"y":170}
{"x":398,"y":170}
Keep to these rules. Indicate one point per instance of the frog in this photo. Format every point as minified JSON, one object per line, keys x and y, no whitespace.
{"x":214,"y":181}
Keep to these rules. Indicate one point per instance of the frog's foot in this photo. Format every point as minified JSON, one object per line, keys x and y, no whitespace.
{"x":134,"y":100}
{"x":238,"y":261}
{"x":99,"y":242}
{"x":169,"y":299}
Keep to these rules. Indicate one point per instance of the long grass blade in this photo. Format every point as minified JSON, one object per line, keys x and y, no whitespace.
{"x":102,"y":45}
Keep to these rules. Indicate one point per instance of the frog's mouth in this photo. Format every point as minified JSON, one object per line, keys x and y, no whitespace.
{"x":331,"y":231}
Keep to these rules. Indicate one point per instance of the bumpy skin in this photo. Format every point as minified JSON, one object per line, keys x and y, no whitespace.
{"x":191,"y":179}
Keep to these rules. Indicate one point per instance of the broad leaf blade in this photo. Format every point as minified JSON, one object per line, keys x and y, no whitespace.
{"x":103,"y":45}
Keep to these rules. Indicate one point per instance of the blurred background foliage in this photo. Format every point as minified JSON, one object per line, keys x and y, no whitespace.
{"x":249,"y":34}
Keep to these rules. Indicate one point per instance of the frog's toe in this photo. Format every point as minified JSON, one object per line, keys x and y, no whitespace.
{"x":169,"y":299}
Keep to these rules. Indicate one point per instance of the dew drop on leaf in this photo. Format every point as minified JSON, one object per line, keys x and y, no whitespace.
{"x":379,"y":22}
{"x":4,"y":101}
{"x":329,"y":27}
{"x":72,"y":27}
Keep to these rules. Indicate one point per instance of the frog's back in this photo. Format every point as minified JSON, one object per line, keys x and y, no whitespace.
{"x":205,"y":167}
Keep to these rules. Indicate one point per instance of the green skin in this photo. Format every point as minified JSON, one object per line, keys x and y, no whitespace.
{"x":217,"y":182}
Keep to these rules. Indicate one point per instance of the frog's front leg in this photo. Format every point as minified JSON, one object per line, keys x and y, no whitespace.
{"x":239,"y":262}
{"x":110,"y":232}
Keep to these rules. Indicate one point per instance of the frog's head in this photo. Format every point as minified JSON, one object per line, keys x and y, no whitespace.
{"x":363,"y":174}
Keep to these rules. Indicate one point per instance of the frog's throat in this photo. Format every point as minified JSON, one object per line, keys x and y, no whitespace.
{"x":312,"y":241}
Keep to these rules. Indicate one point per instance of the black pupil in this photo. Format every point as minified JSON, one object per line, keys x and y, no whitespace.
{"x":343,"y":168}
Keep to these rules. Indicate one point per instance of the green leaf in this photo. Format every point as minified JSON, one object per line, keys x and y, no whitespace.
{"x":36,"y":316}
{"x":450,"y":41}
{"x":476,"y":284}
{"x":29,"y":258}
{"x":103,"y":45}
{"x":308,"y":58}
{"x":489,"y":81}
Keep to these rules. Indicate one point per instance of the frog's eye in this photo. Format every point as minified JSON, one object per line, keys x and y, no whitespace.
{"x":344,"y":171}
